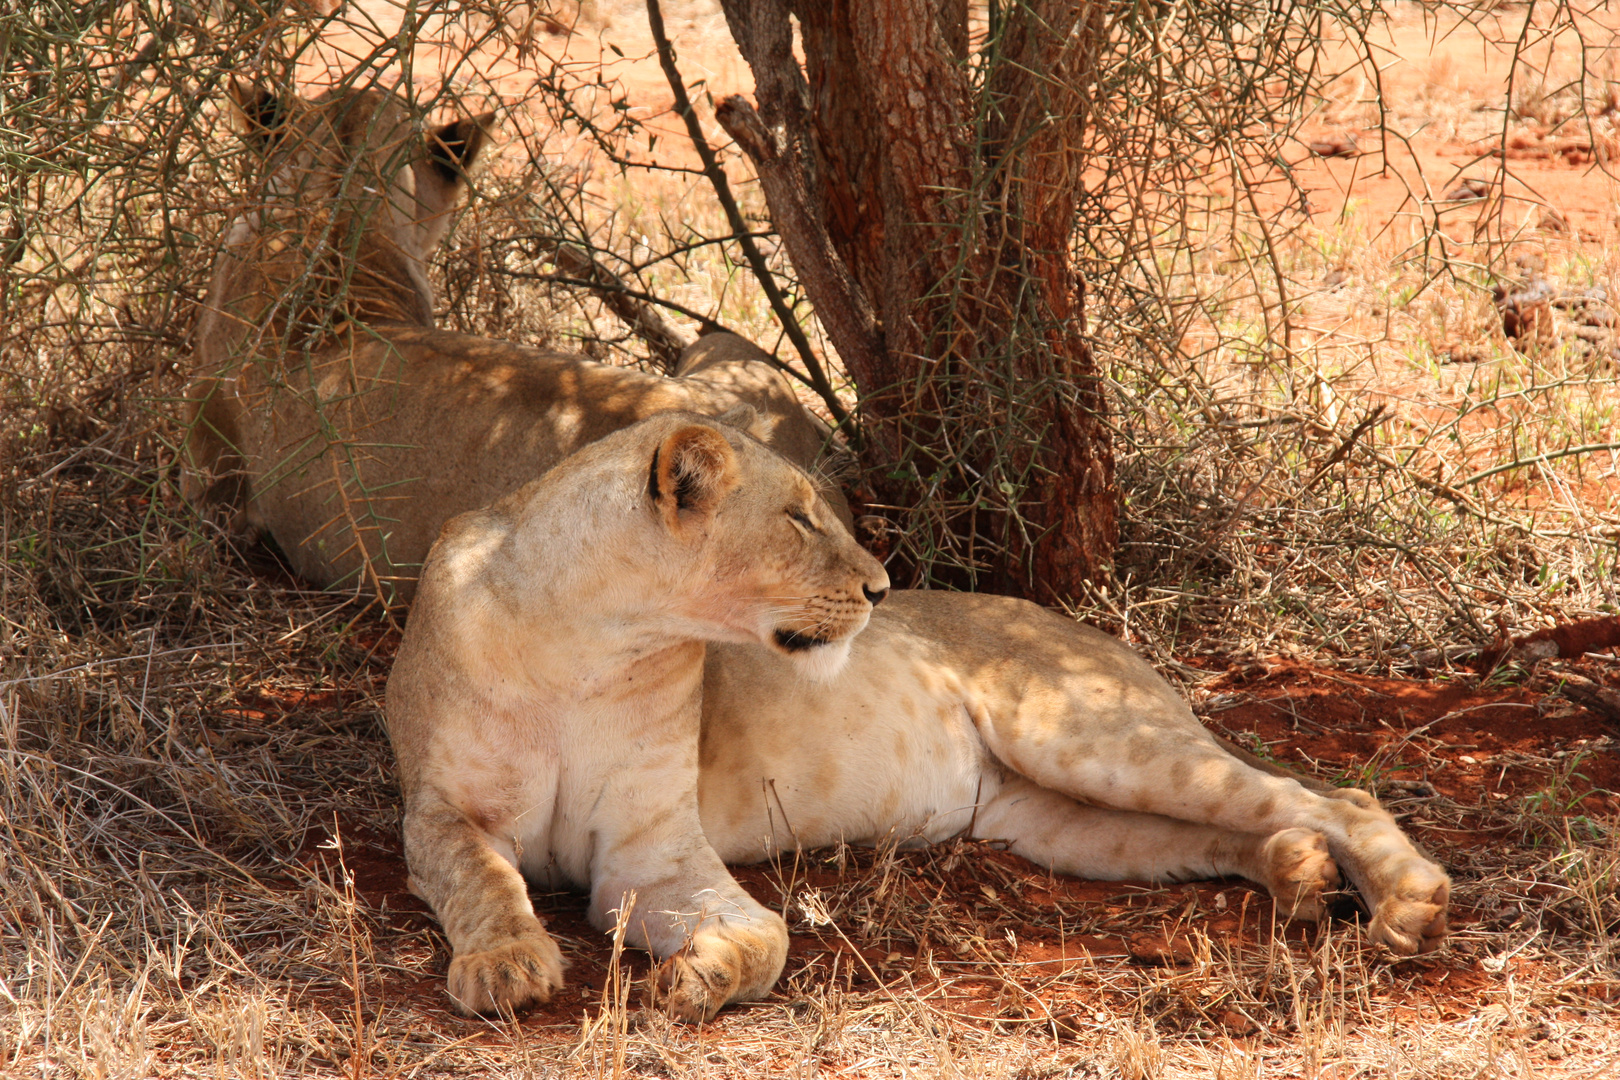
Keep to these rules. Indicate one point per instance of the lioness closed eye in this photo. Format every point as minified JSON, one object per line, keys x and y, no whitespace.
{"x":545,"y":710}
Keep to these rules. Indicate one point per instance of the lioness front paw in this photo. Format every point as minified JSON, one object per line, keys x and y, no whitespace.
{"x":508,"y":977}
{"x":689,"y":992}
{"x":719,"y":967}
{"x":1411,"y":918}
{"x":1299,"y":870}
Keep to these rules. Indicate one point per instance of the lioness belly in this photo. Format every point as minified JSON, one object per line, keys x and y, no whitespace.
{"x":787,"y":762}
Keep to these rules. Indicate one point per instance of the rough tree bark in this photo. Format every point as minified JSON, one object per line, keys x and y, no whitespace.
{"x":927,"y":199}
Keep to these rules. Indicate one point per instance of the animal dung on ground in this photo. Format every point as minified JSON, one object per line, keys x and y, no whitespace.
{"x":1468,"y":191}
{"x":1341,"y":145}
{"x":1540,"y":312}
{"x":1526,"y":310}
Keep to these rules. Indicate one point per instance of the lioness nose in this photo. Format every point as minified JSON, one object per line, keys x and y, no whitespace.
{"x":874,"y":596}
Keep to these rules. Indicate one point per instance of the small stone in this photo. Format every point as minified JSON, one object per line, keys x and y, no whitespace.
{"x":1465,"y":354}
{"x":1237,"y":1023}
{"x":1156,"y":950}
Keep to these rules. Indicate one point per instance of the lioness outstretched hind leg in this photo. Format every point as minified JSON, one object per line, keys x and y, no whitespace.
{"x":1054,"y":831}
{"x":1192,"y":779}
{"x":1140,"y":749}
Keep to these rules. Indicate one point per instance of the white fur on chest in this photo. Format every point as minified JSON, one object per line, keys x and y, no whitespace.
{"x":544,"y":773}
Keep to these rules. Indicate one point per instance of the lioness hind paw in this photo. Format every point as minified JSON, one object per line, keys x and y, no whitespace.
{"x":1298,"y":872}
{"x":510,"y":977}
{"x":1412,"y":920}
{"x":1355,"y":797}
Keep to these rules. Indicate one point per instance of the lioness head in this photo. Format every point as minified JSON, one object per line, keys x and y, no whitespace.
{"x":792,"y":576}
{"x":352,"y":195}
{"x":729,"y":541}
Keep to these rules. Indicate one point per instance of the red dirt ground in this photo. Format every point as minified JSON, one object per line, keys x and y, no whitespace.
{"x":1423,"y":170}
{"x":1483,"y":741}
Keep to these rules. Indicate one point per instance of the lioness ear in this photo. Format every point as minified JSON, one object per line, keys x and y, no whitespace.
{"x":747,"y":418}
{"x":692,"y":470}
{"x":256,"y":113}
{"x":454,"y":147}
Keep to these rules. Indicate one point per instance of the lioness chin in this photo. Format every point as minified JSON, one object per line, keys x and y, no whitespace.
{"x":557,"y":717}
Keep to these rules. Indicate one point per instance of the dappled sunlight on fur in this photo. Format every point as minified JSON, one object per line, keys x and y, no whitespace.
{"x":328,"y":412}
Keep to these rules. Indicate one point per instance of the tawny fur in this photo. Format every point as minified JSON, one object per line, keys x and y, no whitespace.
{"x":326,"y":409}
{"x":995,"y":718}
{"x":545,"y":703}
{"x":545,"y":711}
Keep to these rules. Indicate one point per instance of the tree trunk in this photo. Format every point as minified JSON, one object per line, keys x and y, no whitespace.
{"x":927,"y":198}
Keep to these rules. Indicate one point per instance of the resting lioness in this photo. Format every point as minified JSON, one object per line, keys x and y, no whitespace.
{"x":544,"y":709}
{"x":329,"y":412}
{"x":545,"y":702}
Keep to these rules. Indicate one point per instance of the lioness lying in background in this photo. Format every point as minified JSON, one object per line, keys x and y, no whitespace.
{"x":328,"y":411}
{"x":557,"y":717}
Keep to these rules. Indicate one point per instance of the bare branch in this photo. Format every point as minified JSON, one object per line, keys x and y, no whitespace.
{"x":666,"y":340}
{"x":722,"y":191}
{"x":842,"y":307}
